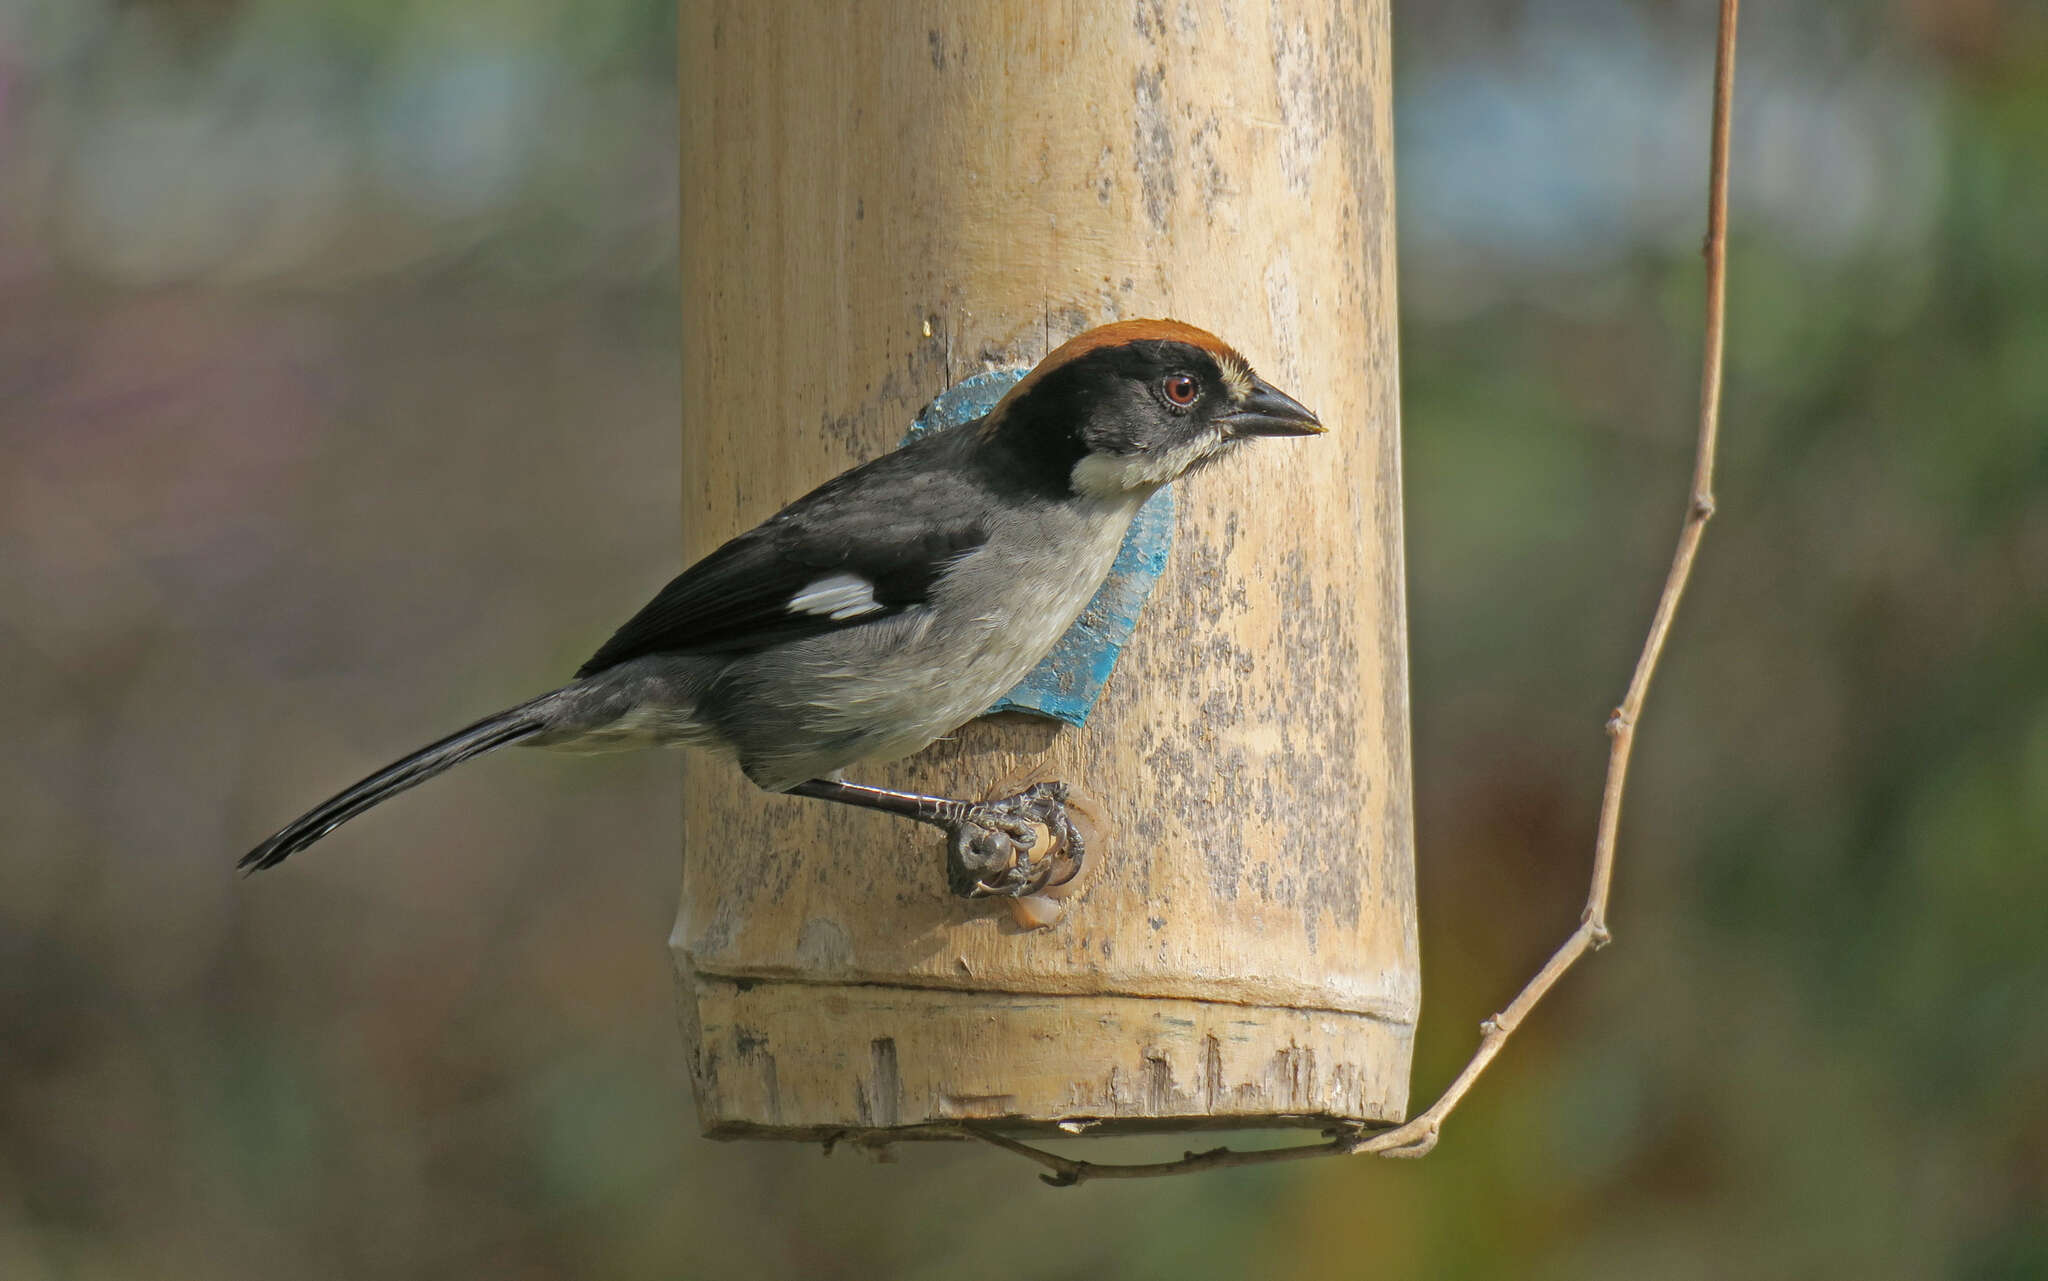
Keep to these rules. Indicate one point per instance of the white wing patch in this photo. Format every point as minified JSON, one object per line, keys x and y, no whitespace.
{"x":838,"y":597}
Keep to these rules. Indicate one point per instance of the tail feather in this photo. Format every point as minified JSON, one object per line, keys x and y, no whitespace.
{"x":486,"y":735}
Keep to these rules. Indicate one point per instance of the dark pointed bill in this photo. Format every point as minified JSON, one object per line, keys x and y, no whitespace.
{"x":1268,"y":411}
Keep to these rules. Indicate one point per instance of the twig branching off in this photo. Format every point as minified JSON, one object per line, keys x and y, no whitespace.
{"x":1417,"y":1136}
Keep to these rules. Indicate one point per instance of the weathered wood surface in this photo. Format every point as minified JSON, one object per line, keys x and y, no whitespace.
{"x":881,"y":198}
{"x":879,"y":1058}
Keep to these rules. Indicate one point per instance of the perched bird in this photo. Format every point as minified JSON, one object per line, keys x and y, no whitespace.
{"x":897,"y":601}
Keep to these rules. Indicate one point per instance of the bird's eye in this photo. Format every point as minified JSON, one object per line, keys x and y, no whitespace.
{"x":1180,"y":389}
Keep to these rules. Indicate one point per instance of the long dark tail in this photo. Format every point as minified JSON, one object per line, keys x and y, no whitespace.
{"x":492,"y":732}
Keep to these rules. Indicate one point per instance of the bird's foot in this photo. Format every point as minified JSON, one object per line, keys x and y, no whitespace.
{"x":1017,"y":847}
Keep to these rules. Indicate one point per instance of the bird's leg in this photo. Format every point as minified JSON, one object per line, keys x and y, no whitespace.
{"x":989,"y":844}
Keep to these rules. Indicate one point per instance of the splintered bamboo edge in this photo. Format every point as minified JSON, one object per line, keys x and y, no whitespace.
{"x":821,"y":1061}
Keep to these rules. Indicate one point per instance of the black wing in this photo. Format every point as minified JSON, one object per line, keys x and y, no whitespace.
{"x":884,"y":530}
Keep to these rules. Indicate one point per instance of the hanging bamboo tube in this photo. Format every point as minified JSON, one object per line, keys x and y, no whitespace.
{"x":881,"y":198}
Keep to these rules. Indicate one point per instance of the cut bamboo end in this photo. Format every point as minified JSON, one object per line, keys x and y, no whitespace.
{"x":800,"y":1061}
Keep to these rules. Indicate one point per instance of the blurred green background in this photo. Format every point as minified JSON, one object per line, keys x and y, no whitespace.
{"x":338,"y":395}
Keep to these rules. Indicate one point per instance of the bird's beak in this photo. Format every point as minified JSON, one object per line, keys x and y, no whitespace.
{"x":1268,"y":411}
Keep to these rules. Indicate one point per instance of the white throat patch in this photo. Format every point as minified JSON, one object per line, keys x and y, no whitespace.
{"x":1117,"y":475}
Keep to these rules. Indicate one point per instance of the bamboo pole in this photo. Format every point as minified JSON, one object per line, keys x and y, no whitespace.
{"x":882,"y":198}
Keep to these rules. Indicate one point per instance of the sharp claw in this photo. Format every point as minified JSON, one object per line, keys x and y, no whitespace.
{"x":1017,"y":879}
{"x":1073,"y":870}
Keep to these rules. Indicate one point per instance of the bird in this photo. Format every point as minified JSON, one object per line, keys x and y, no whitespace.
{"x":896,"y":602}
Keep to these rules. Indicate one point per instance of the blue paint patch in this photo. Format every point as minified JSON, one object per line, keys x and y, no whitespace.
{"x":1066,"y":685}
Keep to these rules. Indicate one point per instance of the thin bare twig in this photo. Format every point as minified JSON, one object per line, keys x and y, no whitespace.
{"x":1418,"y":1135}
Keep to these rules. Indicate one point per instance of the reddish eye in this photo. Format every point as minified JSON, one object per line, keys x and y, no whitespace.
{"x":1181,"y":389}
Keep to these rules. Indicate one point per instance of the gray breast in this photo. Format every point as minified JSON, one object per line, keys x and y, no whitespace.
{"x":886,"y":689}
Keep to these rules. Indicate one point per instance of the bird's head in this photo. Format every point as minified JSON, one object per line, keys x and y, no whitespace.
{"x":1124,"y":408}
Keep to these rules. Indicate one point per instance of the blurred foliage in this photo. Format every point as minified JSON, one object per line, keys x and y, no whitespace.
{"x":260,"y":257}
